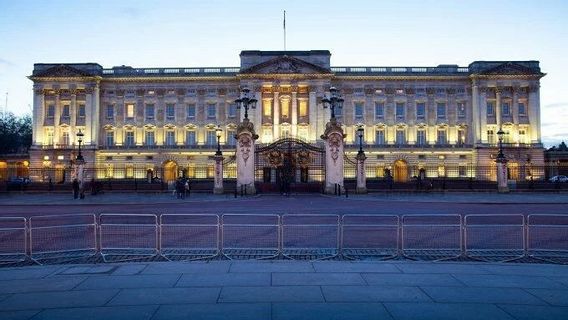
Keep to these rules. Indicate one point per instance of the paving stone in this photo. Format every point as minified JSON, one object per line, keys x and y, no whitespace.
{"x":342,"y":266}
{"x":107,"y":313}
{"x":147,"y":296}
{"x":219,"y":311}
{"x":373,"y":294}
{"x":316,"y":279}
{"x":552,"y":296}
{"x":331,"y":311}
{"x":57,"y":299}
{"x":481,"y":295}
{"x":87,"y":270}
{"x":135,"y":281}
{"x":280,"y":266}
{"x":451,"y":268}
{"x":129,"y":269}
{"x":527,"y":269}
{"x":187,"y":267}
{"x":224,"y":280}
{"x":508,"y":281}
{"x":27,"y":272}
{"x":411,"y":280}
{"x":18,"y":315}
{"x":521,"y":312}
{"x":562,"y":280}
{"x":271,"y":294}
{"x":38,"y":285}
{"x":445,"y":311}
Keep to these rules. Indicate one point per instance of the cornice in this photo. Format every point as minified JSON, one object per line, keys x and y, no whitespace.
{"x":507,"y":76}
{"x":67,"y":79}
{"x":285,"y":76}
{"x":401,"y":77}
{"x":169,"y":79}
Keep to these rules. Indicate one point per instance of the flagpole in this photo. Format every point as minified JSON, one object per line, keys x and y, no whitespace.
{"x":284,"y":30}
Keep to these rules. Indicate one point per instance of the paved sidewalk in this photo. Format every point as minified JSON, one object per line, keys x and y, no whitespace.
{"x":285,"y":290}
{"x":167,"y":198}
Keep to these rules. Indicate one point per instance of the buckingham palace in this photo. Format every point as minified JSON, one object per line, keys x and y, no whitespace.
{"x":168,"y":122}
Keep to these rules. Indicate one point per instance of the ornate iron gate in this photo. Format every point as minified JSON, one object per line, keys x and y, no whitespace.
{"x":290,"y":165}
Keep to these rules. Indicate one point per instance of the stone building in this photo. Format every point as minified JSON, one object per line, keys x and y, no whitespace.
{"x":138,"y":121}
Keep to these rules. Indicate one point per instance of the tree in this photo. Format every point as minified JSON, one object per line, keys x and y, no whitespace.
{"x":15,"y":133}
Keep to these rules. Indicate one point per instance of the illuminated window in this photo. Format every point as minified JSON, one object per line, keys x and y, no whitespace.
{"x":285,"y":108}
{"x":441,"y":171}
{"x":49,"y":137}
{"x":491,"y":136}
{"x":522,"y":136}
{"x":130,"y":171}
{"x":303,"y":108}
{"x":303,"y":132}
{"x":266,"y":108}
{"x":65,"y":138}
{"x":109,"y":171}
{"x":461,"y":137}
{"x":130,"y":111}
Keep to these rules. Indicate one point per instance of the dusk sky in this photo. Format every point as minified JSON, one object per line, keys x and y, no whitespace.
{"x":358,"y":33}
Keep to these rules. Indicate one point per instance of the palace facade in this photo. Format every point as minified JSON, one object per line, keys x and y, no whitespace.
{"x":137,"y":120}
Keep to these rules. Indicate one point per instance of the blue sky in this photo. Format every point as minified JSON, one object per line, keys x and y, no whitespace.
{"x":358,"y":33}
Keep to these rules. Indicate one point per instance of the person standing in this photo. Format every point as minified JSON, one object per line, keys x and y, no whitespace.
{"x":75,"y":185}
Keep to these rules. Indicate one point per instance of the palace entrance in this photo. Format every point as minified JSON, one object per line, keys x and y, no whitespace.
{"x":170,"y":171}
{"x":400,"y":171}
{"x":289,"y":165}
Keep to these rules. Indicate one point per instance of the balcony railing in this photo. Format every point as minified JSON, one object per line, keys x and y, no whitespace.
{"x":166,"y":147}
{"x":408,"y":146}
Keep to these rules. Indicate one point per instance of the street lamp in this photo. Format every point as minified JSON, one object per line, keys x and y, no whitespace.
{"x":360,"y":132}
{"x":218,"y":132}
{"x":79,"y":157}
{"x":500,"y":155}
{"x":333,"y":101}
{"x":245,"y":101}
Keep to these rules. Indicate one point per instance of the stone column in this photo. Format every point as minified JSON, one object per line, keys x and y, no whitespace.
{"x":95,"y":116}
{"x":245,"y":156}
{"x":88,"y":114}
{"x":73,"y":118}
{"x":502,"y":186}
{"x":38,"y":115}
{"x":361,"y":174}
{"x":276,"y":117}
{"x":483,"y":115}
{"x":294,"y":114}
{"x":313,"y":116}
{"x":498,"y":92}
{"x":534,"y":113}
{"x":333,"y":137}
{"x":475,"y":125}
{"x":218,"y":181}
{"x":56,"y":120}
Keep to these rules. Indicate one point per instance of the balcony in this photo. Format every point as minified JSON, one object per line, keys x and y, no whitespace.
{"x":409,"y":146}
{"x":169,"y":147}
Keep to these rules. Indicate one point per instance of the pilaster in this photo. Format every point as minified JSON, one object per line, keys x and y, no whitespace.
{"x":294,"y":114}
{"x":276,"y":117}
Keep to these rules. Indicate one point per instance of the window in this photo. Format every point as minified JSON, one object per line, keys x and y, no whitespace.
{"x":338,"y":112}
{"x":149,"y":112}
{"x":285,"y":108}
{"x":303,"y":108}
{"x":191,"y":111}
{"x":170,"y":112}
{"x":109,"y":138}
{"x":522,"y":109}
{"x":49,"y":138}
{"x":81,"y":111}
{"x":461,"y":110}
{"x":399,"y":110}
{"x":231,"y":140}
{"x":150,"y":138}
{"x":232,"y":110}
{"x":461,"y":137}
{"x":303,"y":132}
{"x":400,"y":137}
{"x":442,"y":137}
{"x":379,"y":110}
{"x":380,"y":137}
{"x":110,"y":112}
{"x":462,"y":171}
{"x":359,"y":110}
{"x":441,"y":110}
{"x":211,"y":138}
{"x":266,"y":108}
{"x":211,"y":111}
{"x":490,"y":108}
{"x":522,"y":136}
{"x":190,"y":138}
{"x":50,"y":111}
{"x":65,"y":112}
{"x":421,"y":137}
{"x":170,"y":138}
{"x":420,"y":110}
{"x":65,"y":138}
{"x":491,"y":136}
{"x":506,"y":109}
{"x":130,"y":111}
{"x":506,"y":136}
{"x":129,"y":139}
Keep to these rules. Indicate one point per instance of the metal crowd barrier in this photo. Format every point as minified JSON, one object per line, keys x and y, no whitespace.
{"x":547,"y":236}
{"x":62,"y":237}
{"x":314,"y":236}
{"x":370,"y":235}
{"x":13,"y":244}
{"x":189,"y":236}
{"x":128,"y":236}
{"x":432,"y":237}
{"x":507,"y":240}
{"x":250,"y":236}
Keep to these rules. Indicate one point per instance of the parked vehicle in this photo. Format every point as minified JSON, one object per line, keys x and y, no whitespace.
{"x":18,"y":181}
{"x":558,"y":179}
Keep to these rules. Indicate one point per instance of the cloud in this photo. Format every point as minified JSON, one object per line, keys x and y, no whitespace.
{"x":556,"y":105}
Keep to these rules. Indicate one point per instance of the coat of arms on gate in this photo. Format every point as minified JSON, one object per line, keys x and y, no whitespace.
{"x":274,"y":158}
{"x":303,"y":158}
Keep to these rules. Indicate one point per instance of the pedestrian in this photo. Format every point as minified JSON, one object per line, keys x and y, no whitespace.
{"x":75,"y":185}
{"x":186,"y":187}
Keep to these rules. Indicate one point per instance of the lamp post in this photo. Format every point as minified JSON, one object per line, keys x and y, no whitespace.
{"x":246,"y":102}
{"x":218,"y":178}
{"x":333,"y":101}
{"x":79,"y":157}
{"x":361,"y":175}
{"x":501,"y":161}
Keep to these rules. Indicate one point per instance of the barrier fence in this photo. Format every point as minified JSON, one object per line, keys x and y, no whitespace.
{"x":121,"y":237}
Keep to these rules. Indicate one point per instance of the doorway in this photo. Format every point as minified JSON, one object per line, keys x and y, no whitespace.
{"x":170,"y":171}
{"x":400,"y":171}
